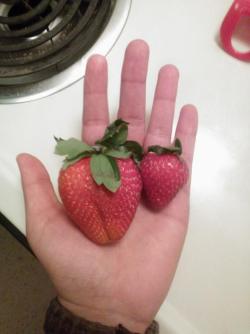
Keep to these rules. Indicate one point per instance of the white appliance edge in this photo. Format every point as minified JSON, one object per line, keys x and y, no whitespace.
{"x":210,"y":292}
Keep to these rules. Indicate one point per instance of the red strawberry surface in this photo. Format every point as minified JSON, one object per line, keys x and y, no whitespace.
{"x":162,"y":177}
{"x":103,"y":216}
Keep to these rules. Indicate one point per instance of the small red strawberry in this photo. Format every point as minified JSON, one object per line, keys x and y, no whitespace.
{"x":163,"y":174}
{"x":100,"y":186}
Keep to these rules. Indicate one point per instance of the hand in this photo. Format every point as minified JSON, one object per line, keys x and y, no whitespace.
{"x":125,"y":282}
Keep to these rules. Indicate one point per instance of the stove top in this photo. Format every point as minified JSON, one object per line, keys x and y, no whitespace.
{"x":40,"y":39}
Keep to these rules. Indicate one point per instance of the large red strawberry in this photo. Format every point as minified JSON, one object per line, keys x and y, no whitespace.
{"x":102,"y":215}
{"x":100,"y":186}
{"x":163,"y":173}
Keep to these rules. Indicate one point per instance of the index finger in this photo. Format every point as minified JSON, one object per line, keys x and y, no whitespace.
{"x":95,"y":115}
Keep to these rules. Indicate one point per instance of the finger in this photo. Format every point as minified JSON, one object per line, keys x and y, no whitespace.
{"x":161,"y":121}
{"x":133,"y":89}
{"x":39,"y":196}
{"x":186,"y":131}
{"x":95,"y":115}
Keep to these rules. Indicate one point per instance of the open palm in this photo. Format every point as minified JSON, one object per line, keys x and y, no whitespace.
{"x":125,"y":282}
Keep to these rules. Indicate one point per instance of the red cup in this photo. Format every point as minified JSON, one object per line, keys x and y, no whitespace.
{"x":238,"y":9}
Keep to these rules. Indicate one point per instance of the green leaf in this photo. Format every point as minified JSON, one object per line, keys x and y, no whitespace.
{"x":135,"y":148}
{"x":174,"y":149}
{"x":178,"y":145}
{"x":105,"y":171}
{"x":121,"y":136}
{"x":115,"y":134}
{"x":115,"y":168}
{"x":159,"y":150}
{"x":71,"y":147}
{"x":120,"y":153}
{"x":113,"y":128}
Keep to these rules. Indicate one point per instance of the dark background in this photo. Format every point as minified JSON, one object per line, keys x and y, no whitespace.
{"x":25,"y":289}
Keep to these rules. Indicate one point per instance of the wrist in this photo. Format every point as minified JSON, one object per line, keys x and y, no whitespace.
{"x":107,"y":317}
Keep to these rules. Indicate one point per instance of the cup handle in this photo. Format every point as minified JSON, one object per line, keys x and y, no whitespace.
{"x":239,"y":8}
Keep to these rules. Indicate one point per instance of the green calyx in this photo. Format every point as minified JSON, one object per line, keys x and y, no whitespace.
{"x":113,"y":145}
{"x":176,"y":148}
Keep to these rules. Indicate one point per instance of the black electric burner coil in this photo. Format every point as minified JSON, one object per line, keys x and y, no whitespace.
{"x":41,"y":38}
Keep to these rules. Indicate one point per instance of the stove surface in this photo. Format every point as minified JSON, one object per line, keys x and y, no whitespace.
{"x":210,"y":292}
{"x":44,"y":44}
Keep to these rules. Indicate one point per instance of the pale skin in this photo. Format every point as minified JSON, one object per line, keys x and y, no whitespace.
{"x":126,"y":282}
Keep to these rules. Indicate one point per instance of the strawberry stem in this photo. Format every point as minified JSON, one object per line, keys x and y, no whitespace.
{"x":113,"y":145}
{"x":176,"y":148}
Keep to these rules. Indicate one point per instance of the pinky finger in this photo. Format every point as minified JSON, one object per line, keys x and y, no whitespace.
{"x":186,"y":131}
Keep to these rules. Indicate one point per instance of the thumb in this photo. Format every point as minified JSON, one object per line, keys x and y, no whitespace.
{"x":39,"y":196}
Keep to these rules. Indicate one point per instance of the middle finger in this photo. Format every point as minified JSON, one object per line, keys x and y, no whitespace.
{"x":133,"y":89}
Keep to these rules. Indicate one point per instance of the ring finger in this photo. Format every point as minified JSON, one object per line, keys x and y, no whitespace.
{"x":161,"y":120}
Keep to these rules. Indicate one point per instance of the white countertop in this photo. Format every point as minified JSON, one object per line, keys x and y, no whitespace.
{"x":211,"y":290}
